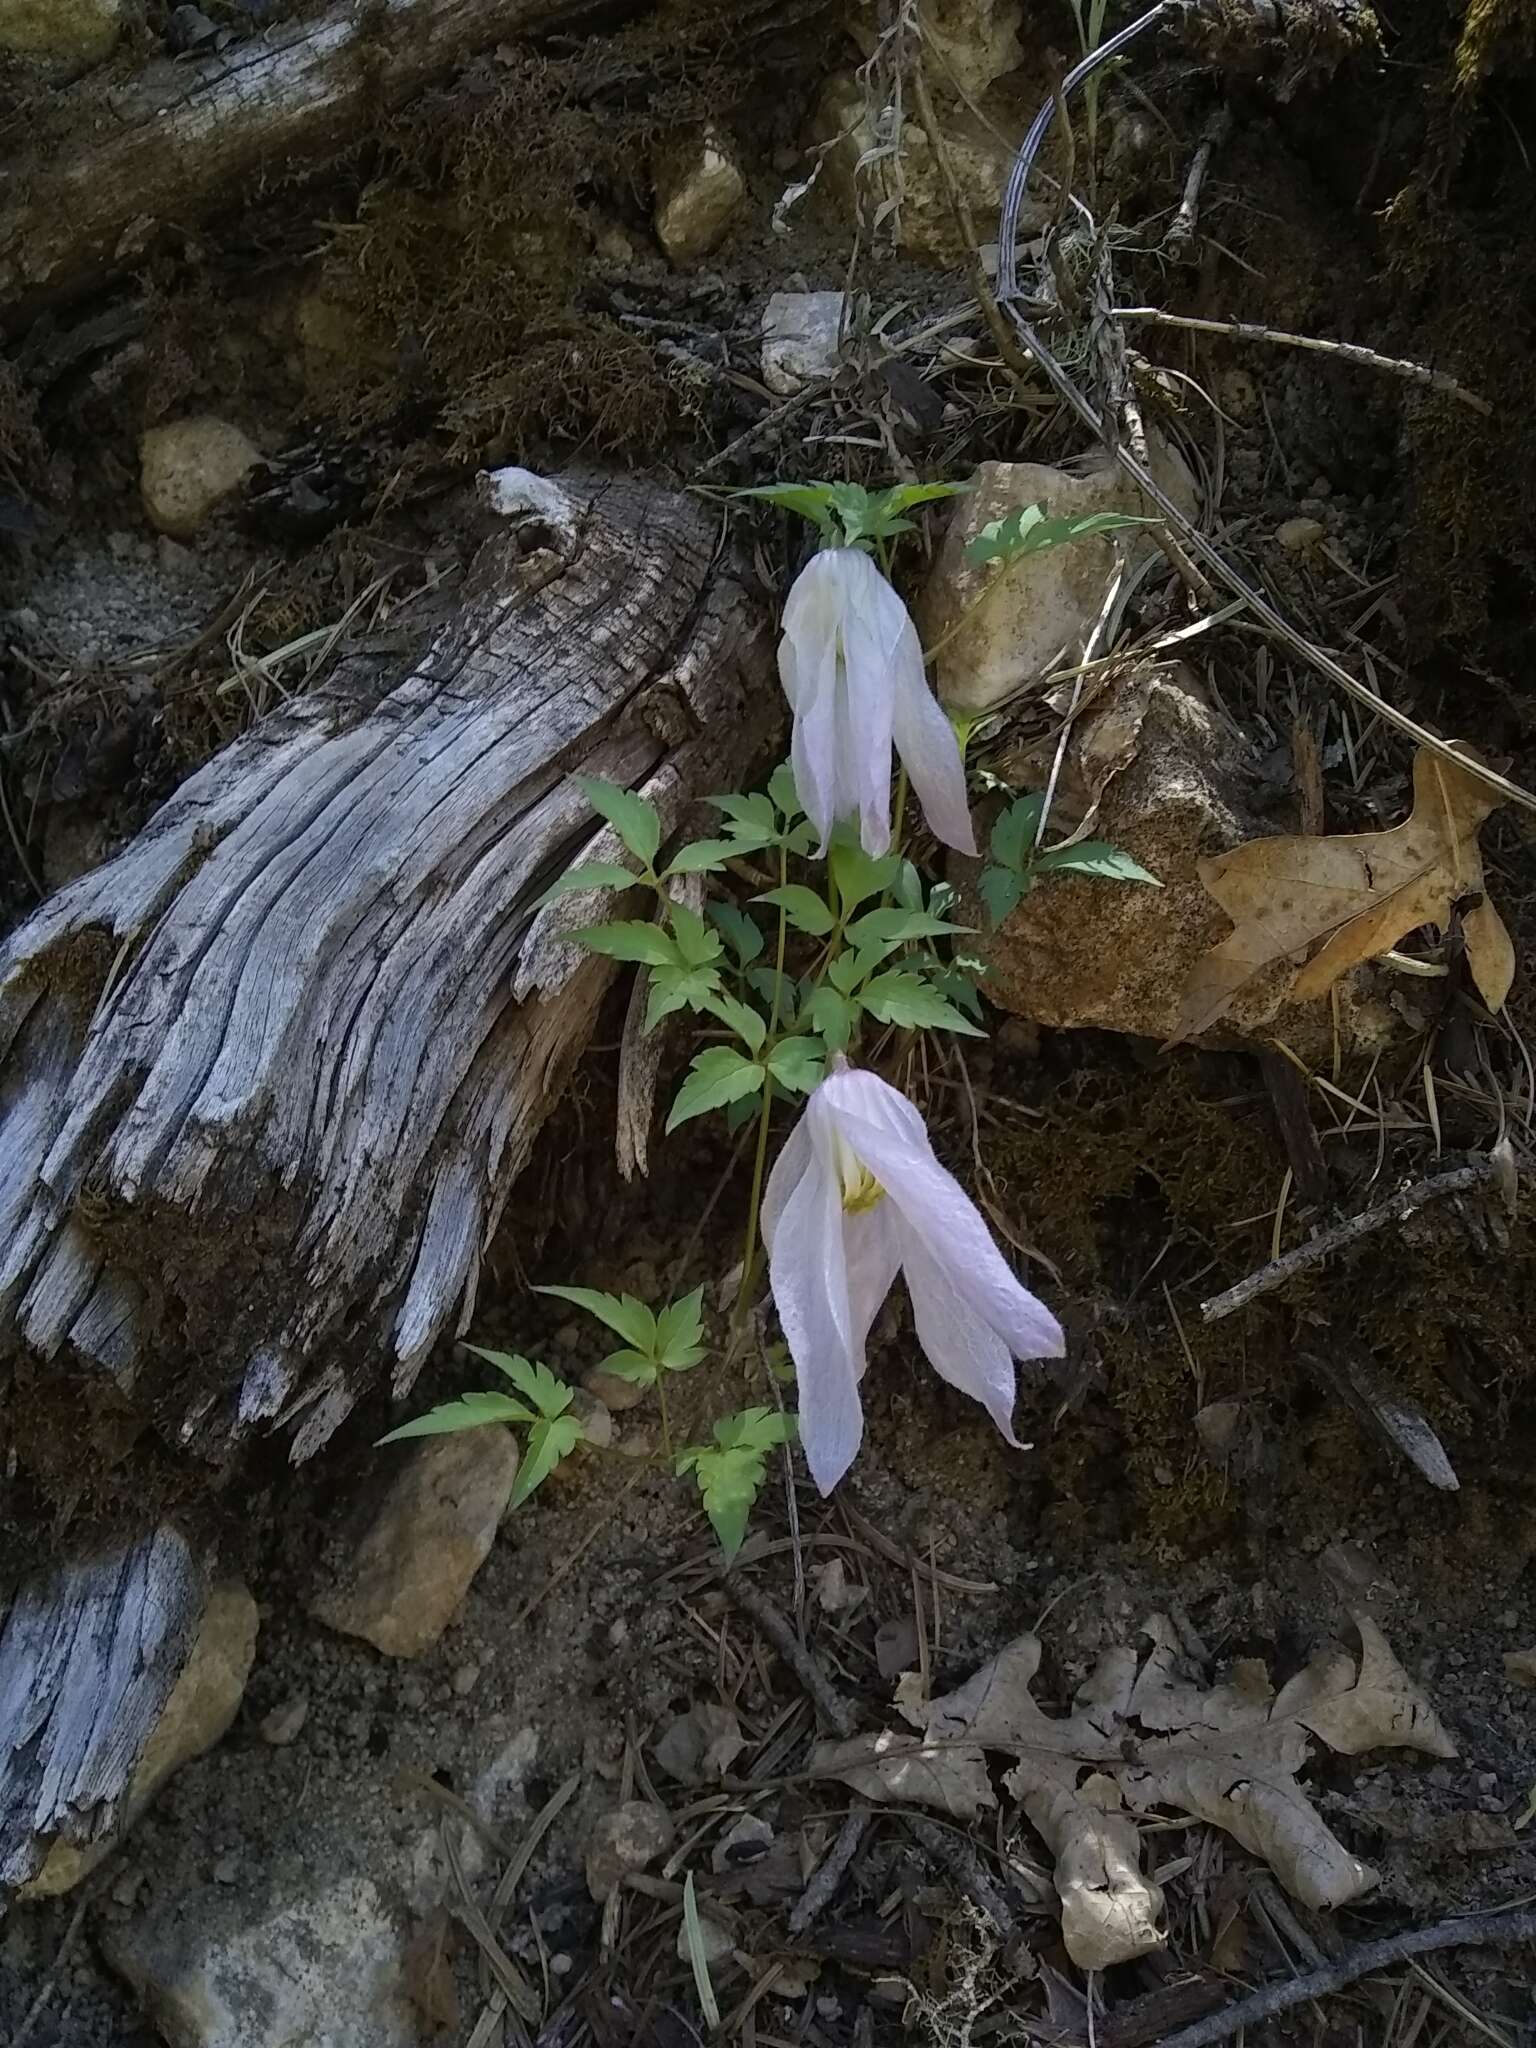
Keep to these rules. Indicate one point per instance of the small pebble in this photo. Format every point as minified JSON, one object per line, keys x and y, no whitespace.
{"x":616,"y":1394}
{"x":1294,"y":535}
{"x":227,"y":1870}
{"x":465,"y":1679}
{"x":560,"y":1965}
{"x":282,"y":1725}
{"x":413,"y":1693}
{"x":595,"y":1417}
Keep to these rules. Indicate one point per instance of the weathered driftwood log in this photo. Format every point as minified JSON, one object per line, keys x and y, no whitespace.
{"x":267,"y":1077}
{"x":88,"y":1657}
{"x":186,"y":138}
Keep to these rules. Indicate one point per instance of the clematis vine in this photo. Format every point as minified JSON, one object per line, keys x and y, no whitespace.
{"x":855,"y":1197}
{"x":852,"y":668}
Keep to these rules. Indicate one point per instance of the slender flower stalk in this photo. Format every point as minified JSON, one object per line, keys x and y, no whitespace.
{"x":856,"y":1197}
{"x":852,"y":668}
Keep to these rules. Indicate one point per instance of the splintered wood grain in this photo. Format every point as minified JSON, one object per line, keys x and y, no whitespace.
{"x":268,"y":1076}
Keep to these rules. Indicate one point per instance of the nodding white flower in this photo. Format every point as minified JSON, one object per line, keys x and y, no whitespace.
{"x":855,"y":1197}
{"x":852,"y":669}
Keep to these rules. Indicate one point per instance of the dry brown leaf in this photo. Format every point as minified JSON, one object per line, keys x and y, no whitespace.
{"x":1360,"y":893}
{"x":1520,"y":1665}
{"x":1155,"y":1740}
{"x":897,"y":1769}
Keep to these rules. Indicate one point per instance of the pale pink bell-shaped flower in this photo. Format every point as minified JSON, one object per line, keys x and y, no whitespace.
{"x":855,"y":1196}
{"x":852,"y":668}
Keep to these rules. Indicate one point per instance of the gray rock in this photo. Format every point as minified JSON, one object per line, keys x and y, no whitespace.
{"x":801,"y":331}
{"x":595,"y":1417}
{"x":430,"y":1534}
{"x":211,"y":1972}
{"x":200,"y":1709}
{"x":188,"y":468}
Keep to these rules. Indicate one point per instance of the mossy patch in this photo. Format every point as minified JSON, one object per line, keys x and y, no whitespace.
{"x":1145,"y":1180}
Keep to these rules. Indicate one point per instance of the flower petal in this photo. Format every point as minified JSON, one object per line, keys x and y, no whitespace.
{"x":874,"y":1258}
{"x":809,"y":642}
{"x":874,"y":623}
{"x":930,"y":750}
{"x":808,"y":1274}
{"x":784,"y":1177}
{"x":886,"y":1133}
{"x":959,"y":1346}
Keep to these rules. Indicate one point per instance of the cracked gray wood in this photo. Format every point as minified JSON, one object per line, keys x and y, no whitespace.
{"x":267,"y":1077}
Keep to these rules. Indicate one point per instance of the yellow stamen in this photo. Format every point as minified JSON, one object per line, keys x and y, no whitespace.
{"x":861,"y":1191}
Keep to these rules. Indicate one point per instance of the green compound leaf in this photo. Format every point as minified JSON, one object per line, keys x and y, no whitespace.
{"x":716,"y":1077}
{"x":631,"y":816}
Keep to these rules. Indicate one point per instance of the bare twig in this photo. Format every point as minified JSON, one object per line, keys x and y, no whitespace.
{"x":1477,"y":1930}
{"x":834,"y":1868}
{"x":955,"y":1852}
{"x":781,"y":414}
{"x":1318,"y":1248}
{"x":959,"y":206}
{"x":760,"y":1609}
{"x":1181,"y":231}
{"x":1352,"y":352}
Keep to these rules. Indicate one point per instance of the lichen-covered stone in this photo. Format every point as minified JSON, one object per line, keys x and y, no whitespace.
{"x":188,"y":468}
{"x":699,"y":186}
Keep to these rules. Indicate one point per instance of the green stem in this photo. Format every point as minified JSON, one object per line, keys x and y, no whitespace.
{"x":760,"y":1155}
{"x":666,"y":1428}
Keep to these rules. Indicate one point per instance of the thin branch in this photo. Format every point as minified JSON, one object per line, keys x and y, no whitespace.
{"x":834,"y":1868}
{"x":1477,"y":1930}
{"x":1352,"y":352}
{"x":959,"y":1858}
{"x":760,"y":1609}
{"x":1318,"y":1248}
{"x":1181,"y":232}
{"x":959,"y":206}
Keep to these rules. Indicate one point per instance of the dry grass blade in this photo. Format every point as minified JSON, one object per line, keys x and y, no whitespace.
{"x":694,"y":1934}
{"x":520,"y":1994}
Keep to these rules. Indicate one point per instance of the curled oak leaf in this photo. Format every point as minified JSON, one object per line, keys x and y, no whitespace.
{"x":1359,"y":893}
{"x":1147,"y":1736}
